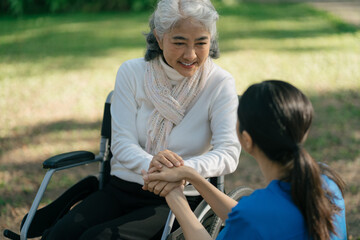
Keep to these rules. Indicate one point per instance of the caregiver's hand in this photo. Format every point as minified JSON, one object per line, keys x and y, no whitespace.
{"x":162,"y":188}
{"x":162,"y":181}
{"x":166,"y":174}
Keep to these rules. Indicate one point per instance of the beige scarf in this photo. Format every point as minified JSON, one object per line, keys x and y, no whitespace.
{"x":170,"y":102}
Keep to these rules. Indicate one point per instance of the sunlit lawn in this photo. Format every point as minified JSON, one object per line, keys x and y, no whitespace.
{"x":55,"y":73}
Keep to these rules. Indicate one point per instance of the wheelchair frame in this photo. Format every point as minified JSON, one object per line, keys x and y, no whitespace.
{"x":77,"y":158}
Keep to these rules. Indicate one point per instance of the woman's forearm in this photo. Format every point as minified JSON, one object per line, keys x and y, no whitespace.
{"x":219,"y":202}
{"x":191,"y":227}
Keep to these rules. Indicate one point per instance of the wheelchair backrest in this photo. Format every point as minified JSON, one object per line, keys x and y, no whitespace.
{"x":105,"y":142}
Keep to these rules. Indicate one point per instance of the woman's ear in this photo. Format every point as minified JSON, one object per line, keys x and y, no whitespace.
{"x":160,"y":43}
{"x":246,"y":142}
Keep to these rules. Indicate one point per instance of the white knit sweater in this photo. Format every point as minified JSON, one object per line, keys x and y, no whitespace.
{"x":206,"y":138}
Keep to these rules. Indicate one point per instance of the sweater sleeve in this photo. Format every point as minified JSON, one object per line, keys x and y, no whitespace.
{"x":223,"y":158}
{"x":124,"y":140}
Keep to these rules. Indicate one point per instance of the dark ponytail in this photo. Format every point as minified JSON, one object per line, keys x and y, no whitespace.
{"x":278,"y":117}
{"x":309,"y":195}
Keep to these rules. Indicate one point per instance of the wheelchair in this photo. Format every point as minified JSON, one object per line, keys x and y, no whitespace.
{"x":36,"y":221}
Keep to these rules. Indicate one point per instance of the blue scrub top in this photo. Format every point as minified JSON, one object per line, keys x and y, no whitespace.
{"x":271,"y":214}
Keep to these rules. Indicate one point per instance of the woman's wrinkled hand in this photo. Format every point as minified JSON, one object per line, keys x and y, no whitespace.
{"x":166,"y":158}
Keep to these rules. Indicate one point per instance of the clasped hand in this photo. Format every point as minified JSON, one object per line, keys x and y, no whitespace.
{"x":159,"y":178}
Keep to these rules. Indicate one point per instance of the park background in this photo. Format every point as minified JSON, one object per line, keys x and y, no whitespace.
{"x":59,"y":58}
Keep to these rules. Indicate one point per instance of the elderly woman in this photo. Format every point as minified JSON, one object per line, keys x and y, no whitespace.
{"x":174,"y":107}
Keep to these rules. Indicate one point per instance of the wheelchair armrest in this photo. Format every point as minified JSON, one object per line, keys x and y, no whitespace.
{"x":69,"y":158}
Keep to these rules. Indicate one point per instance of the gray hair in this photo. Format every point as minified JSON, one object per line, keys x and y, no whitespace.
{"x":169,"y":12}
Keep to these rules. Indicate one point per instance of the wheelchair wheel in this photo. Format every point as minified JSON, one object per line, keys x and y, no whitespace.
{"x":204,"y":214}
{"x":217,"y":224}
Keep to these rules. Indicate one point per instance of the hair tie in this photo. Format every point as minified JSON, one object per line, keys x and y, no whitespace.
{"x":297,"y":148}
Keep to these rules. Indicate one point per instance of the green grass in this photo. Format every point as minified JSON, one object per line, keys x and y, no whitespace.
{"x":55,"y":73}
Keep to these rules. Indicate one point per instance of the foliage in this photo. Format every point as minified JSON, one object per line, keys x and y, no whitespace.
{"x":21,"y":7}
{"x":56,"y":70}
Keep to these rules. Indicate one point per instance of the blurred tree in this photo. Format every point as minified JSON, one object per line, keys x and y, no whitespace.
{"x":14,"y":6}
{"x":21,"y":7}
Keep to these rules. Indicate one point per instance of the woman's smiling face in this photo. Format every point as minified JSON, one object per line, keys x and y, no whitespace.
{"x":186,"y":47}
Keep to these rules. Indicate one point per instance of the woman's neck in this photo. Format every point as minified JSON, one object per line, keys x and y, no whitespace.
{"x":173,"y":76}
{"x":270,"y":169}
